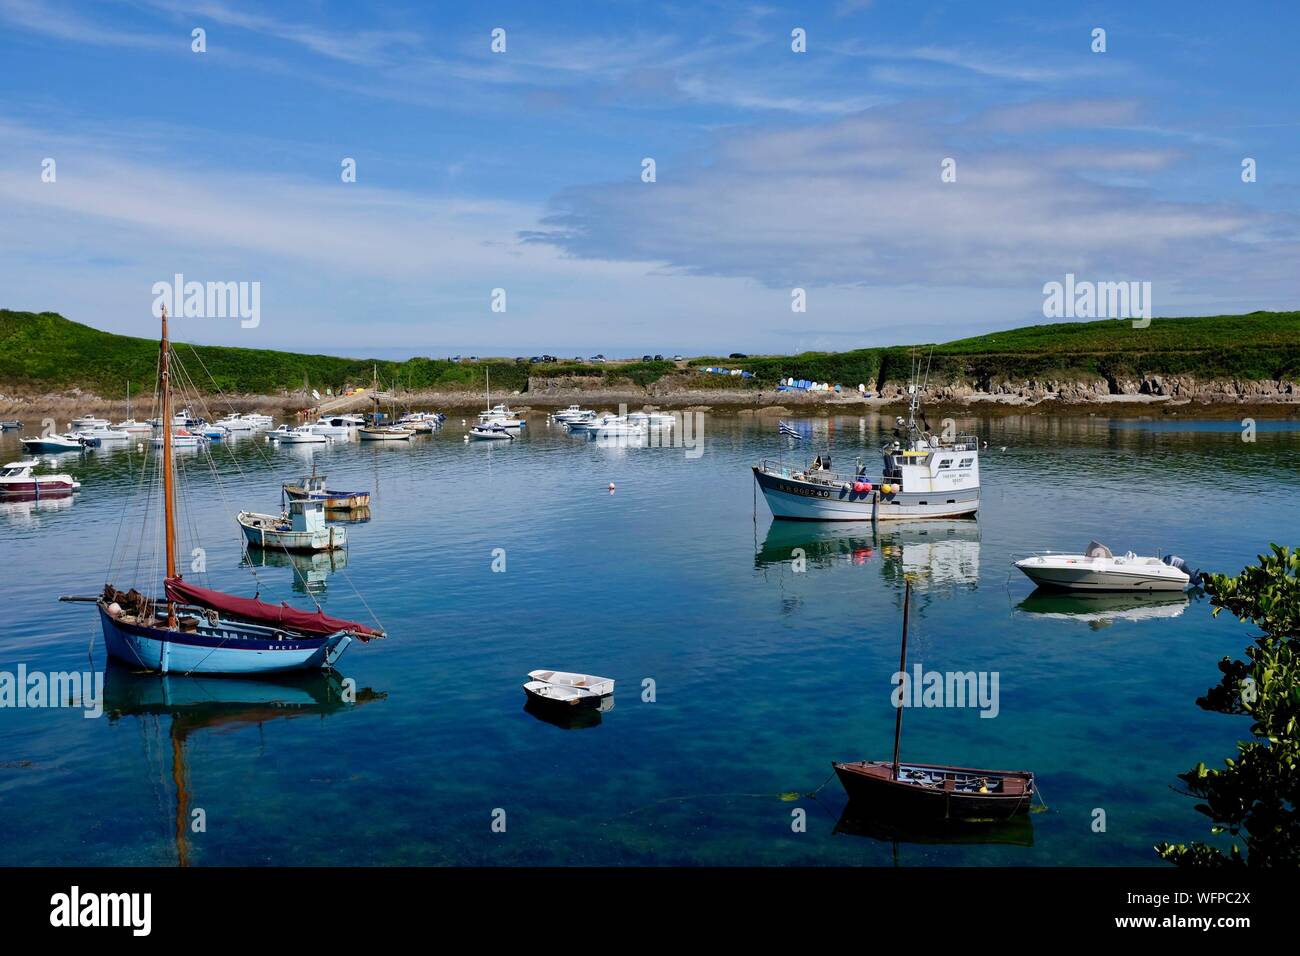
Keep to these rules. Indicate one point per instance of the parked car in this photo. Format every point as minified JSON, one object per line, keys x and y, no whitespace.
{"x":659,"y":358}
{"x":678,"y":358}
{"x":520,"y":360}
{"x":737,"y":355}
{"x":647,"y":358}
{"x":536,"y":359}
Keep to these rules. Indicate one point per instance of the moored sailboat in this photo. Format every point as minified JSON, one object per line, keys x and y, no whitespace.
{"x":198,"y":630}
{"x":933,"y":791}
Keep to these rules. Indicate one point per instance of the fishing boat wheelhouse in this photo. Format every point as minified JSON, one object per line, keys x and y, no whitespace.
{"x":197,"y":630}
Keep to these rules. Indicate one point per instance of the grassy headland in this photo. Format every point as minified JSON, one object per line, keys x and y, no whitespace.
{"x":45,"y":353}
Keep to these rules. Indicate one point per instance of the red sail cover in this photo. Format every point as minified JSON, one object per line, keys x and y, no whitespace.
{"x":259,"y":612}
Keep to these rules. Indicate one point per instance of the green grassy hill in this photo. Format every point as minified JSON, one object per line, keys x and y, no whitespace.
{"x":46,"y":352}
{"x":1258,"y":346}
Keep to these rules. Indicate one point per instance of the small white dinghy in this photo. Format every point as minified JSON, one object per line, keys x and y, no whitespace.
{"x":562,"y":687}
{"x":1097,"y":569}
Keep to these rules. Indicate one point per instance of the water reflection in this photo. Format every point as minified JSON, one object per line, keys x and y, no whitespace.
{"x":196,"y":704}
{"x":1104,"y":609}
{"x":569,"y":718}
{"x":936,"y":554}
{"x":860,"y":822}
{"x":310,"y":571}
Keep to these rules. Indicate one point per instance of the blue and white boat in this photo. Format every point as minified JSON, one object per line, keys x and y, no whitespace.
{"x":197,"y":630}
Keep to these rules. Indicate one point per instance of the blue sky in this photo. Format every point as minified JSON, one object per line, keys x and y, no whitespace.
{"x":522,"y":170}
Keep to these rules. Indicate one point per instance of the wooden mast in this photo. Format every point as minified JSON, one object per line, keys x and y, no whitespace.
{"x":902,"y":670}
{"x":169,"y":490}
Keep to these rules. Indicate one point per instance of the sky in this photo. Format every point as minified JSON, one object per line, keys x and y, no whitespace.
{"x":524,"y":170}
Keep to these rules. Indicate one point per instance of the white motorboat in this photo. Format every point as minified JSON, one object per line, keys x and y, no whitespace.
{"x":302,"y":435}
{"x":103,"y":433}
{"x":652,"y":419}
{"x":337,"y":426}
{"x":53,"y":443}
{"x":1097,"y":569}
{"x":133,"y":427}
{"x":88,"y":421}
{"x":616,"y":426}
{"x":235,"y":422}
{"x":491,"y":431}
{"x":17,"y":478}
{"x":302,"y":528}
{"x":181,"y":438}
{"x":574,"y":413}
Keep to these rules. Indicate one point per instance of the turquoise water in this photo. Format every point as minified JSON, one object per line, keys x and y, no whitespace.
{"x":762,"y":675}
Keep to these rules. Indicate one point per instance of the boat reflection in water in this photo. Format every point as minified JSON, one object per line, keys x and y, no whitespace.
{"x":198,"y":703}
{"x":569,"y":718}
{"x":935,"y":554}
{"x":310,"y":571}
{"x":1013,"y":831}
{"x":1102,"y":609}
{"x":24,"y":510}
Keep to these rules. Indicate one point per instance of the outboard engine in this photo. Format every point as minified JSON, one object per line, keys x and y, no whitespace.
{"x":1174,"y":561}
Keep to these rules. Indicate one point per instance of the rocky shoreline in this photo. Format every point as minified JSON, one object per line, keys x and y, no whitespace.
{"x":1144,"y":397}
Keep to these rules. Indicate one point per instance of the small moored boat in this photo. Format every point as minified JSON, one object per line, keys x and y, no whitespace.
{"x":491,"y":432}
{"x":303,"y":528}
{"x":890,"y":788}
{"x":384,"y":433}
{"x":18,"y":478}
{"x":312,"y":488}
{"x":567,"y":689}
{"x":1097,"y":569}
{"x":48,"y":444}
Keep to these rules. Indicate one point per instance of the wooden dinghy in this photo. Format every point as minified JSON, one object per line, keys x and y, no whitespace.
{"x":938,"y":792}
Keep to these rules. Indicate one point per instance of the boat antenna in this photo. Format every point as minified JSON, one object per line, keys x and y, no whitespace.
{"x":169,"y":489}
{"x":902,"y":670}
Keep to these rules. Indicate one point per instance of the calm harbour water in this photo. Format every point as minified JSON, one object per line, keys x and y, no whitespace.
{"x":762,"y":675}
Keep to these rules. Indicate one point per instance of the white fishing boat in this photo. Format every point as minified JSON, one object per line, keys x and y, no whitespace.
{"x":491,"y":432}
{"x":214,"y":432}
{"x":88,"y":421}
{"x":924,"y":476}
{"x":259,"y":420}
{"x":302,"y":528}
{"x":19,"y":479}
{"x":1098,"y":569}
{"x":302,"y":435}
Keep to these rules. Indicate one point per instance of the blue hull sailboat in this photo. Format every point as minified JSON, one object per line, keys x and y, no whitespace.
{"x":197,"y":630}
